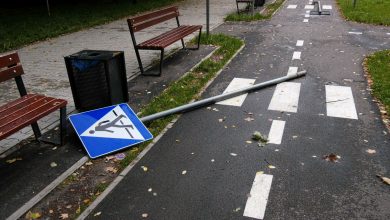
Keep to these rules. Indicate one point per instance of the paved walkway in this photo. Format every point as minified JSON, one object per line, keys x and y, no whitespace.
{"x":44,"y":64}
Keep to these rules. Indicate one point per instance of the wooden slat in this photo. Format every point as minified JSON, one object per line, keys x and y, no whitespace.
{"x":9,"y":60}
{"x":169,"y":37}
{"x":152,"y":22}
{"x":31,"y":116}
{"x":9,"y":73}
{"x":150,"y":15}
{"x":18,"y":103}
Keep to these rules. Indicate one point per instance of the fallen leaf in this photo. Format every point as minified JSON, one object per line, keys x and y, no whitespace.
{"x":150,"y":190}
{"x":144,"y":168}
{"x":215,"y":109}
{"x":257,"y":136}
{"x":154,"y":194}
{"x":11,"y":160}
{"x":53,"y":164}
{"x":276,"y":150}
{"x":184,"y":172}
{"x":221,"y":120}
{"x":51,"y":211}
{"x":177,"y":140}
{"x":271,"y":167}
{"x":32,"y":215}
{"x":259,"y":172}
{"x":78,"y":210}
{"x":233,"y":154}
{"x":332,"y":157}
{"x":69,"y":206}
{"x":64,"y":216}
{"x":54,"y":148}
{"x":97,"y":213}
{"x":371,"y":151}
{"x":144,"y":215}
{"x":86,"y":201}
{"x":109,"y":158}
{"x":295,"y":136}
{"x":212,"y":160}
{"x":89,"y":163}
{"x":384,"y":179}
{"x":249,"y":119}
{"x":237,"y":209}
{"x":249,"y":142}
{"x":112,"y":169}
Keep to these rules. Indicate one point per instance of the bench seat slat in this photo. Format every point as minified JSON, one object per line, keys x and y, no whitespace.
{"x":34,"y":108}
{"x":166,"y":39}
{"x":16,"y":104}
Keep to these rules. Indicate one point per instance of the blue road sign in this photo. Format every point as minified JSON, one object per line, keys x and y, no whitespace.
{"x":106,"y":130}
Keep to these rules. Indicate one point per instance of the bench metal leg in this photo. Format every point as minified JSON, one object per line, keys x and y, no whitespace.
{"x":63,"y":126}
{"x":238,"y":10}
{"x":161,"y":61}
{"x":200,"y":34}
{"x":36,"y":130}
{"x":139,"y":60}
{"x":182,"y":43}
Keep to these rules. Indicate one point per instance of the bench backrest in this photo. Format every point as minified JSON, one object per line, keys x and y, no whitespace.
{"x":143,"y":21}
{"x":10,"y":66}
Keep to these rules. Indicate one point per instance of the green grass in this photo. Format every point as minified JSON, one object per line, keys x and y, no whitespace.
{"x":267,"y":14}
{"x":21,"y":26}
{"x":378,"y":65}
{"x":366,"y":11}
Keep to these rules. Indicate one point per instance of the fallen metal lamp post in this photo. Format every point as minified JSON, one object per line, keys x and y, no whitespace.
{"x":218,"y":98}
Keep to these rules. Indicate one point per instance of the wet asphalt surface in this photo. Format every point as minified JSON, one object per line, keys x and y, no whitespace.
{"x":216,"y":184}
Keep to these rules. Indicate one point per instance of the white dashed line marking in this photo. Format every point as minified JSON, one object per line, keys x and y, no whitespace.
{"x":299,"y":43}
{"x":285,"y":97}
{"x":257,"y":202}
{"x":308,"y":12}
{"x":292,"y":70}
{"x":305,"y":20}
{"x":354,"y":32}
{"x":309,"y":7}
{"x":388,"y":33}
{"x":296,"y":55}
{"x":307,"y":15}
{"x":339,"y":102}
{"x":327,"y":7}
{"x":235,"y":84}
{"x":292,"y":6}
{"x":276,"y":132}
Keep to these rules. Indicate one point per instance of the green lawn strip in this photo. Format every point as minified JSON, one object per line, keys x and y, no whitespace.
{"x":378,"y":66}
{"x":179,"y":93}
{"x":25,"y":25}
{"x":269,"y":10}
{"x":366,"y":11}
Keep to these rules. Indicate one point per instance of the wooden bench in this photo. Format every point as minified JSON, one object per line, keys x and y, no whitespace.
{"x":29,"y":108}
{"x":161,"y":41}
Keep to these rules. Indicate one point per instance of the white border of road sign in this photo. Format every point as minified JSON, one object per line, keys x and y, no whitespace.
{"x":146,"y":134}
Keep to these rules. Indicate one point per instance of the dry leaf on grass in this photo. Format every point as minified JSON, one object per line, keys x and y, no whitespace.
{"x":33,"y":215}
{"x":332,"y":157}
{"x":112,"y":169}
{"x":53,"y":164}
{"x":64,"y":216}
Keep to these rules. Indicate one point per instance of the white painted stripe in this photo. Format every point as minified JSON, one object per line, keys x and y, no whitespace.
{"x":276,"y":132}
{"x":339,"y":102}
{"x":296,"y":55}
{"x":300,"y":43}
{"x":307,"y":15}
{"x":285,"y":97}
{"x":257,"y":201}
{"x":354,"y":32}
{"x":388,"y":33}
{"x":292,"y":70}
{"x":308,"y":12}
{"x":305,"y":20}
{"x":292,"y":6}
{"x":309,"y":6}
{"x":27,"y":206}
{"x":327,"y":7}
{"x":235,"y":84}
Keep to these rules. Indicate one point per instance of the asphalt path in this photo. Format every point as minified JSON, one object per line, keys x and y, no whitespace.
{"x":204,"y":166}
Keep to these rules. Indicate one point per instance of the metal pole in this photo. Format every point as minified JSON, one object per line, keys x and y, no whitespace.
{"x":354,"y":3}
{"x":48,"y":7}
{"x":214,"y":99}
{"x":207,"y":17}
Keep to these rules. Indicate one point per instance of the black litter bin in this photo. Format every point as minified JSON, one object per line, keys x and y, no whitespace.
{"x":97,"y":78}
{"x":259,"y":3}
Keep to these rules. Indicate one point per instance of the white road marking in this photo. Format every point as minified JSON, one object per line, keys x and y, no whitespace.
{"x":292,"y":6}
{"x":276,"y":132}
{"x":307,"y":15}
{"x":388,"y":33}
{"x":354,"y":32}
{"x":305,"y":20}
{"x":309,"y":7}
{"x":339,"y":102}
{"x":235,"y":84}
{"x":257,"y":202}
{"x":327,"y":7}
{"x":296,"y":55}
{"x":300,"y":43}
{"x":308,"y":12}
{"x":292,"y":70}
{"x":285,"y":97}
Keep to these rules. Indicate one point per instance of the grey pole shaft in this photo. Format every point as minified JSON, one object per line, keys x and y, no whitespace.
{"x":207,"y":17}
{"x":214,"y":99}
